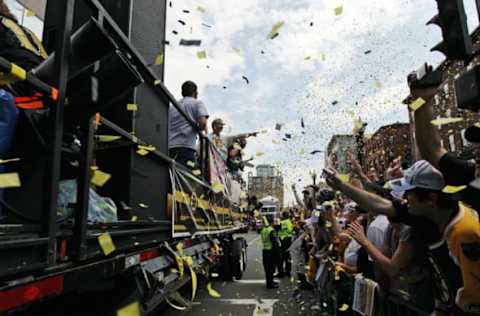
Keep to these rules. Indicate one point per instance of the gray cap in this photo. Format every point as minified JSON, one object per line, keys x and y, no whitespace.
{"x":420,"y":175}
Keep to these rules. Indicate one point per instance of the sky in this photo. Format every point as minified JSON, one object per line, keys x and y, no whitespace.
{"x":325,"y":68}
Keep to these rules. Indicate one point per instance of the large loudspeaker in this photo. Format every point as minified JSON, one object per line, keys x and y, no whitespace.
{"x":135,"y":179}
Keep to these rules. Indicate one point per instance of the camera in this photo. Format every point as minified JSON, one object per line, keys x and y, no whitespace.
{"x":424,"y":77}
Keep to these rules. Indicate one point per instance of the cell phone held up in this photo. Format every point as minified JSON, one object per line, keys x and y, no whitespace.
{"x":424,"y":77}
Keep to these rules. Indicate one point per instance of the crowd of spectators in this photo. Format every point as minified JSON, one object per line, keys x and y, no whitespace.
{"x":412,"y":235}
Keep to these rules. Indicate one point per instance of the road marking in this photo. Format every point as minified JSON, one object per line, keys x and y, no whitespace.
{"x":263,"y":307}
{"x":253,"y":240}
{"x":260,"y":281}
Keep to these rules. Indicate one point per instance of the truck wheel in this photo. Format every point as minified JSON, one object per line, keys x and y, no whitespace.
{"x":238,"y":258}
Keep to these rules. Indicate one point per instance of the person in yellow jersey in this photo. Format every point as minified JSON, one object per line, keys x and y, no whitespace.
{"x":285,"y":234}
{"x":271,"y":247}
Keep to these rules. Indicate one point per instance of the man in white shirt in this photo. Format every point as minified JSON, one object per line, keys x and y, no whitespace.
{"x":222,"y":143}
{"x":182,"y":136}
{"x":376,"y":232}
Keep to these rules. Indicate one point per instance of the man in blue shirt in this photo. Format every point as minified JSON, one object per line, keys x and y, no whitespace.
{"x":182,"y":136}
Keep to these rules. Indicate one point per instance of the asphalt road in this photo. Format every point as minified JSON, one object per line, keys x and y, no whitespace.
{"x":249,"y":296}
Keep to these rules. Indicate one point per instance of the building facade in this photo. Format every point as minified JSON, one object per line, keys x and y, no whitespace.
{"x":386,"y":144}
{"x":268,"y":181}
{"x":446,"y":106}
{"x":336,"y":152}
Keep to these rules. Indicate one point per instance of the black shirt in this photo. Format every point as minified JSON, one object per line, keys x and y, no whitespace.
{"x":448,"y":277}
{"x":457,"y":172}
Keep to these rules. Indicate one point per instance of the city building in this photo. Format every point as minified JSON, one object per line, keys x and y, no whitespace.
{"x":336,"y":152}
{"x":386,"y":144}
{"x":268,"y":181}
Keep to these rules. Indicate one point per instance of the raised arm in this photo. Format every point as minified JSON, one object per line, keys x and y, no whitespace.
{"x":297,"y":198}
{"x":427,"y":135}
{"x":391,"y":266}
{"x":369,"y":201}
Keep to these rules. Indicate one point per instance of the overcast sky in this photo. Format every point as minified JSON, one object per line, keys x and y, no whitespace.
{"x":359,"y":59}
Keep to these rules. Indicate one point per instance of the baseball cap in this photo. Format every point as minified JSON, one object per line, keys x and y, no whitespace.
{"x":420,"y":175}
{"x":472,"y":134}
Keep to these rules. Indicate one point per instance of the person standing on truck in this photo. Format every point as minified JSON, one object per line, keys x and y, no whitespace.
{"x":224,"y":142}
{"x":285,"y":235}
{"x":182,"y":136}
{"x":271,"y":246}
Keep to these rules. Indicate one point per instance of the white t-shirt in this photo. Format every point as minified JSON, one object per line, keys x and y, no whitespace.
{"x":351,"y":253}
{"x":376,"y":232}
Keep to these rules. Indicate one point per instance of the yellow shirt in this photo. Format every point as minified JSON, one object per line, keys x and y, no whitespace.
{"x":463,"y":238}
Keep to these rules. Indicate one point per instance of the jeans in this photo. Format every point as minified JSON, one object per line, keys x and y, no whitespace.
{"x":8,"y":123}
{"x":183,"y":155}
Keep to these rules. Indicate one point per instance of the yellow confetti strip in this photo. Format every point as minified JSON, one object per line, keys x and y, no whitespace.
{"x":338,"y":10}
{"x":149,"y":147}
{"x":237,"y":50}
{"x":418,"y":103}
{"x":344,"y":177}
{"x":142,"y":152}
{"x":274,"y":32}
{"x":212,"y":292}
{"x":93,"y":168}
{"x":260,"y":154}
{"x":129,"y":310}
{"x":159,"y":59}
{"x":108,"y":138}
{"x":135,"y":139}
{"x":344,"y":308}
{"x":100,"y":178}
{"x":10,"y":180}
{"x":202,"y":54}
{"x":308,"y":58}
{"x":143,"y":205}
{"x":377,"y":84}
{"x":452,"y":189}
{"x":132,"y":107}
{"x":201,"y":9}
{"x":29,"y":13}
{"x":264,"y":131}
{"x":157,"y":82}
{"x":191,"y":164}
{"x":134,"y":218}
{"x":446,"y":120}
{"x":196,"y":172}
{"x":276,"y":142}
{"x":106,"y":243}
{"x":217,"y":187}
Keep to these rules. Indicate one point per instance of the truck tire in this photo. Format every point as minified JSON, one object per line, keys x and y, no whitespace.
{"x":238,"y":258}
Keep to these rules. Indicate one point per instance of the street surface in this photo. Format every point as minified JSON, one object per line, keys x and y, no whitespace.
{"x":249,"y":296}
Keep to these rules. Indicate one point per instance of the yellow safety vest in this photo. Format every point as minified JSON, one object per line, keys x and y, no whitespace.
{"x":265,"y":234}
{"x":286,"y":229}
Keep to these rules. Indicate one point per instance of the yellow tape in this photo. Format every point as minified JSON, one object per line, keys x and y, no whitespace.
{"x":180,"y":308}
{"x":189,"y":262}
{"x":212,"y":292}
{"x":18,"y":72}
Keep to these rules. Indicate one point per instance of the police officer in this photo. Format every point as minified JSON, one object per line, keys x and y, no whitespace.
{"x":285,"y":234}
{"x":271,"y":246}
